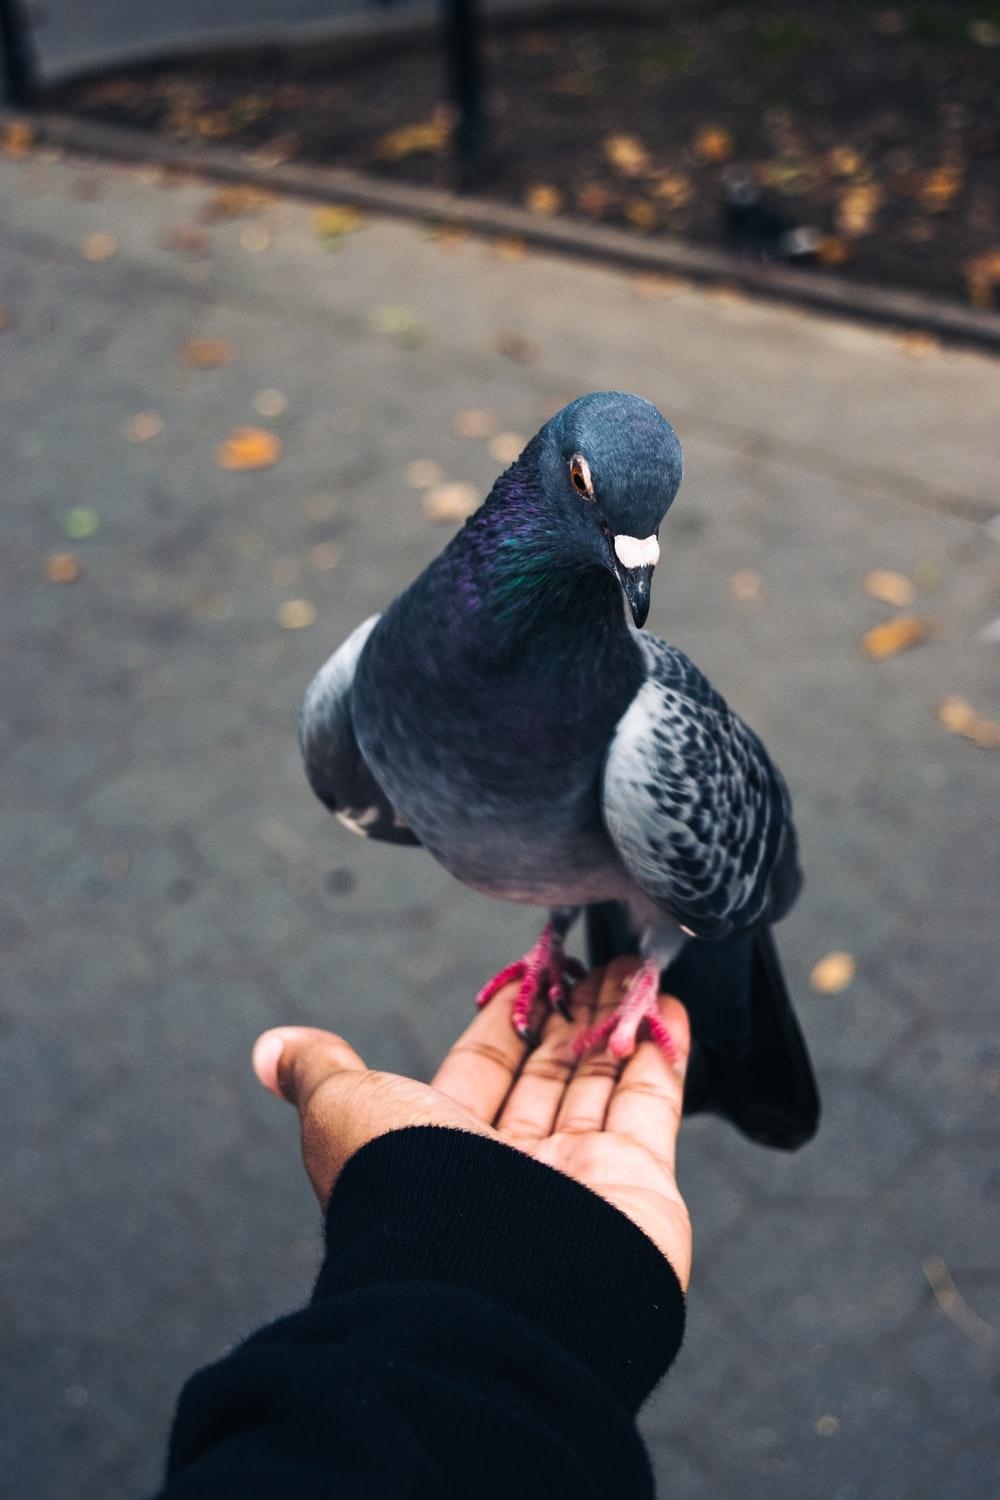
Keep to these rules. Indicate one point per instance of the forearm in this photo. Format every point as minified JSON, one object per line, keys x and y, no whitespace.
{"x":481,"y":1326}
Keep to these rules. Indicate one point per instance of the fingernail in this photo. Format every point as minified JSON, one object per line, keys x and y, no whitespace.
{"x":267,"y":1050}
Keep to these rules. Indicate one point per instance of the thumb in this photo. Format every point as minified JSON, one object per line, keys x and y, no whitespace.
{"x":293,"y":1061}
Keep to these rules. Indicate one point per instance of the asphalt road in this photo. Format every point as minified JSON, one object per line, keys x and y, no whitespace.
{"x":171,"y":887}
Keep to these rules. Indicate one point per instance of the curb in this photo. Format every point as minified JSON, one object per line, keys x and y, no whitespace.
{"x":615,"y":247}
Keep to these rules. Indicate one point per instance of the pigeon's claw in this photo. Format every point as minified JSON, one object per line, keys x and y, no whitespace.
{"x":545,"y":970}
{"x":639,"y":1005}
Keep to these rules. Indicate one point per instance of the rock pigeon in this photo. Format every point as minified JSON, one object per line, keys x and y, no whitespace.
{"x":509,"y":714}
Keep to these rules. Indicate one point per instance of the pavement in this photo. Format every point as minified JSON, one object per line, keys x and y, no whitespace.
{"x":172,"y":887}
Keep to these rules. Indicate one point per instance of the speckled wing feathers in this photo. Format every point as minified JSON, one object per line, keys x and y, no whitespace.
{"x":337,"y":771}
{"x":697,"y":812}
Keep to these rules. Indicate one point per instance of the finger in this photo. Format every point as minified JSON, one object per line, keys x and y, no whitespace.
{"x":529,"y":1112}
{"x":585,"y":1101}
{"x":648,"y":1099}
{"x":481,"y":1066}
{"x":293,"y":1061}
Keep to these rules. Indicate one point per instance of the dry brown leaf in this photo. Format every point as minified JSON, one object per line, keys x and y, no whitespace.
{"x":296,"y":614}
{"x":982,"y":276}
{"x":856,"y":210}
{"x":959,"y":717}
{"x":143,"y":427}
{"x":517,"y":347}
{"x":889,"y":588}
{"x":506,"y":447}
{"x":474,"y":422}
{"x":248,"y":448}
{"x":98,"y":246}
{"x":627,"y":154}
{"x":918,"y":345}
{"x":896,"y":635}
{"x":426,"y":137}
{"x":62,"y":567}
{"x":652,"y":287}
{"x":844,"y":161}
{"x":235,"y":201}
{"x":510,"y":247}
{"x":713,"y":145}
{"x":422,"y":473}
{"x":206,"y":354}
{"x":747,"y":586}
{"x":543,"y":198}
{"x":833,"y":973}
{"x":939,"y":189}
{"x":595,"y":200}
{"x":674,"y":188}
{"x":832,"y":251}
{"x":641,"y":214}
{"x":452,"y":502}
{"x":17,"y":139}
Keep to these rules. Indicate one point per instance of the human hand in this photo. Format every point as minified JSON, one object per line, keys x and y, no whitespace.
{"x":613,"y":1127}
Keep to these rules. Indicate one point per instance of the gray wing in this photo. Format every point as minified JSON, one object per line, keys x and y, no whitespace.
{"x":700,"y":817}
{"x":338,"y":773}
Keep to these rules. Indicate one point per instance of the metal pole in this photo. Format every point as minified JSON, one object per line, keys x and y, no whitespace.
{"x":17,"y":57}
{"x":461,"y":35}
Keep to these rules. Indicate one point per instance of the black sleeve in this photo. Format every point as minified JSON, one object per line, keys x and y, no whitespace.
{"x":482,"y":1326}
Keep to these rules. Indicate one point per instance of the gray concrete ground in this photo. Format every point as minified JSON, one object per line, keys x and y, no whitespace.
{"x":171,"y":887}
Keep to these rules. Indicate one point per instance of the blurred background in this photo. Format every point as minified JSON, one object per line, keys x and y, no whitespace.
{"x":235,"y":423}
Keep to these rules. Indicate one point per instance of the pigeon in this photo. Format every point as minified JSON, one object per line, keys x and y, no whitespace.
{"x":509,"y":713}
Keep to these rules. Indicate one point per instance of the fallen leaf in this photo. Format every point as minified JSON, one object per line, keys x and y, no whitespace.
{"x":652,"y":287}
{"x":337,"y":220}
{"x":713,"y":145}
{"x":296,"y":614}
{"x":474,"y":422}
{"x":270,"y":403}
{"x":543,"y":198}
{"x":896,"y":635}
{"x":939,"y":188}
{"x":982,"y":275}
{"x":826,"y":1426}
{"x":594,"y":200}
{"x":187,"y":239}
{"x":62,"y":567}
{"x":206,"y":354}
{"x":833,"y":973}
{"x":98,"y":246}
{"x":510,"y":247}
{"x":832,"y":251}
{"x":80,"y":522}
{"x":234,"y":201}
{"x":422,"y":473}
{"x":248,"y":448}
{"x":449,"y":237}
{"x":959,"y":717}
{"x":506,"y":447}
{"x":452,"y":502}
{"x":143,"y":427}
{"x":747,"y":586}
{"x":517,"y":347}
{"x":889,"y":588}
{"x":856,"y":210}
{"x":627,"y":154}
{"x":674,"y":189}
{"x":255,"y":238}
{"x":918,"y":345}
{"x":324,"y":556}
{"x":17,"y":138}
{"x":399,"y":322}
{"x":426,"y":137}
{"x":641,"y":214}
{"x":844,"y":161}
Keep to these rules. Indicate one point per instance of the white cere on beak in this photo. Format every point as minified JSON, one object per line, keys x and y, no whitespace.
{"x":636,"y":552}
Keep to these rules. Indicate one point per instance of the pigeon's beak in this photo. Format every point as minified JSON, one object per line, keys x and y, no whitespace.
{"x":635,"y":559}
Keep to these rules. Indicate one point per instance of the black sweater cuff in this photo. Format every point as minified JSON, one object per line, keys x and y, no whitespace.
{"x":433,"y":1204}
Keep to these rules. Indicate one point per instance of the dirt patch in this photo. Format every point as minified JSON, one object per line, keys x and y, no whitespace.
{"x":878,"y":126}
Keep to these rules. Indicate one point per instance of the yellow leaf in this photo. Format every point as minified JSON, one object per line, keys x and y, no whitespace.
{"x":982,"y":275}
{"x":248,"y":448}
{"x":713,"y":144}
{"x":62,"y":567}
{"x":844,"y":161}
{"x":641,"y":214}
{"x":510,"y":247}
{"x":234,"y":201}
{"x":426,"y":137}
{"x":893,"y":636}
{"x":833,"y":973}
{"x":832,"y":251}
{"x":543,"y":198}
{"x":337,"y":220}
{"x":857,"y":208}
{"x":17,"y":139}
{"x":674,"y":189}
{"x":206,"y":354}
{"x":959,"y":717}
{"x":296,"y":614}
{"x":889,"y":588}
{"x":939,"y":189}
{"x":449,"y":503}
{"x":918,"y":345}
{"x":627,"y":154}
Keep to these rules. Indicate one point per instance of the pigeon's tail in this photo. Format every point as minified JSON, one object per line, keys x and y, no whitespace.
{"x":749,"y":1061}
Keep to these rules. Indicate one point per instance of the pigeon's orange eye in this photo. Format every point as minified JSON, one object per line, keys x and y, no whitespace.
{"x":579,"y":472}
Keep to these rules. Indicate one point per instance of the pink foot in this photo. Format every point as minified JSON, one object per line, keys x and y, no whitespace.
{"x":638,"y":1005}
{"x":544,"y":970}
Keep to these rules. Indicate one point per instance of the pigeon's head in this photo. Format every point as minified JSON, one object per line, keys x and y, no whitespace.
{"x":610,"y":466}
